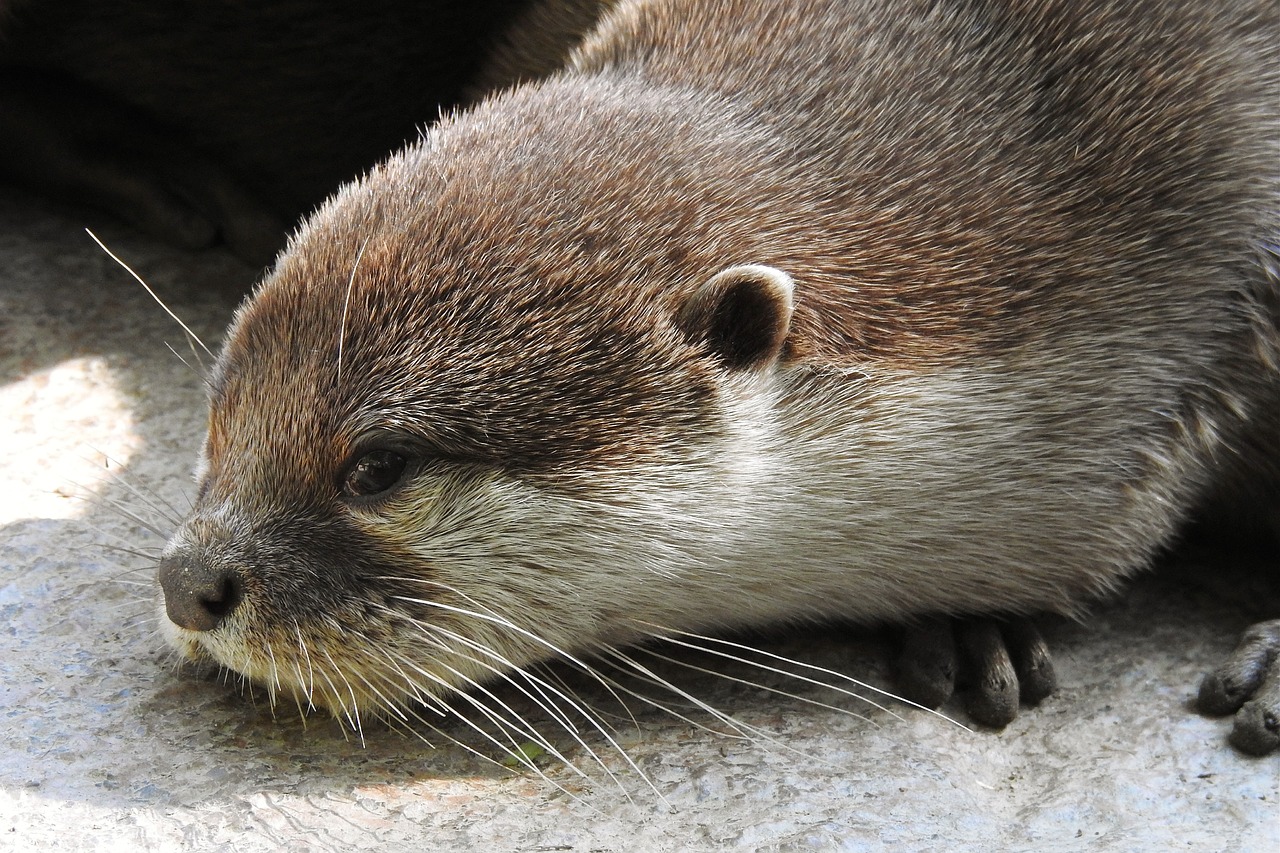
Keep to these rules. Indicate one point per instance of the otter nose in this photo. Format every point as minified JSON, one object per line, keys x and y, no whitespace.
{"x":197,"y":596}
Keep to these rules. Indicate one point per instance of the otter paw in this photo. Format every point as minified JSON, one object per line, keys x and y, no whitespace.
{"x":1247,"y":684}
{"x":1002,"y":662}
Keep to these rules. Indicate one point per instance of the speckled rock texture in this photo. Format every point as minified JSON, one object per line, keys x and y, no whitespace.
{"x":109,"y":745}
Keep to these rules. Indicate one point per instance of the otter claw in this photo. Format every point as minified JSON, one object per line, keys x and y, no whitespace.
{"x":1002,"y":662}
{"x":1247,"y":684}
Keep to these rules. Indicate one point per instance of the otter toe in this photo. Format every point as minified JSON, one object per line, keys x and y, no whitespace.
{"x":926,"y":666}
{"x":1000,"y":663}
{"x":1247,"y":684}
{"x":992,"y":698}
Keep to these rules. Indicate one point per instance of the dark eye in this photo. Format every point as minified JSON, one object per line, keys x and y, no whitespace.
{"x":374,"y":472}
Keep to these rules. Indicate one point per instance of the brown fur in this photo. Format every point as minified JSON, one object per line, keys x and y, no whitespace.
{"x":1033,"y":248}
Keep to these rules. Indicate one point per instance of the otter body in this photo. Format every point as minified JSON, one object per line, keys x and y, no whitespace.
{"x":752,"y":314}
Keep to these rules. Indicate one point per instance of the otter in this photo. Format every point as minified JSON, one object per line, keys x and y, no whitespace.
{"x":869,"y":310}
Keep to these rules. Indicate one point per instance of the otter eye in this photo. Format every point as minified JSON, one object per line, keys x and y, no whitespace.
{"x":374,"y":472}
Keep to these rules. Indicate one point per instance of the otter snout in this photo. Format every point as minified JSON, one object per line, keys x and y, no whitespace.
{"x":198,"y":596}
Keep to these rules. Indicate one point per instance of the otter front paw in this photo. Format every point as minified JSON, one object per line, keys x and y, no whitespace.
{"x":1247,"y":684}
{"x":1001,"y":662}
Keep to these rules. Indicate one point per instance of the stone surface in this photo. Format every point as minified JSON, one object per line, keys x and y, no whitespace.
{"x":108,"y":745}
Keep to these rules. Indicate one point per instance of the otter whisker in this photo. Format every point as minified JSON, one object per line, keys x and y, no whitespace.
{"x":399,"y":693}
{"x":519,"y":725}
{"x":122,"y":510}
{"x":514,"y":751}
{"x":151,"y":498}
{"x":668,"y":709}
{"x":129,"y":552}
{"x":478,"y":754}
{"x":420,"y":694}
{"x":498,"y":620}
{"x":120,"y":543}
{"x":774,"y":690}
{"x":353,"y":710}
{"x":519,"y":757}
{"x":506,"y":664}
{"x":192,"y":335}
{"x":406,"y":728}
{"x":812,"y":667}
{"x":558,"y":652}
{"x":119,"y":581}
{"x":306,"y":656}
{"x":387,"y":704}
{"x":346,"y":304}
{"x":273,"y":681}
{"x":545,"y":703}
{"x":144,"y":620}
{"x":492,"y":616}
{"x":598,"y":714}
{"x":127,"y":513}
{"x":297,"y":694}
{"x":197,"y":368}
{"x":754,"y":734}
{"x":543,"y":677}
{"x":744,"y":729}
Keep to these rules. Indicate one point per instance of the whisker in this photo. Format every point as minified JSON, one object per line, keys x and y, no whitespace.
{"x":596,"y":713}
{"x":125,"y":512}
{"x":346,"y":303}
{"x":774,"y":690}
{"x":505,"y":623}
{"x":813,"y":667}
{"x":120,"y":605}
{"x":147,"y":287}
{"x":198,"y":368}
{"x":520,"y":725}
{"x":352,"y":711}
{"x":273,"y":683}
{"x":486,"y":758}
{"x":122,"y":582}
{"x":754,"y":734}
{"x":153,"y":499}
{"x":420,"y":696}
{"x":515,"y":751}
{"x":387,"y":704}
{"x":505,"y":725}
{"x":128,"y":552}
{"x":545,"y":703}
{"x":297,"y":694}
{"x":141,"y":620}
{"x":669,"y":709}
{"x":311,"y":673}
{"x":495,"y":618}
{"x":111,"y":540}
{"x":502,"y":660}
{"x":475,"y":752}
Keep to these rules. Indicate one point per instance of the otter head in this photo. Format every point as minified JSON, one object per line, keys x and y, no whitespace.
{"x":486,"y":410}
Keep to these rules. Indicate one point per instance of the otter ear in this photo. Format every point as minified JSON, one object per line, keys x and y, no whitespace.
{"x":742,"y":314}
